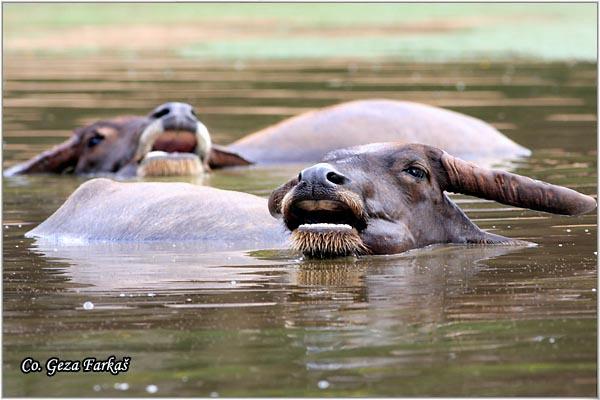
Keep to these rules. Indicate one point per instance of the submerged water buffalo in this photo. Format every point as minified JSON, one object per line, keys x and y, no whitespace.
{"x":166,"y":141}
{"x":169,"y":140}
{"x":381,"y":198}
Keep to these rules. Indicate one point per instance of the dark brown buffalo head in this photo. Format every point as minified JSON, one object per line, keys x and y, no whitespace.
{"x":170,"y":140}
{"x":387,"y":198}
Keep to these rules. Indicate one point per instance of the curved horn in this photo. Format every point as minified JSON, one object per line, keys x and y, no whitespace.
{"x":515,"y":190}
{"x":147,"y":139}
{"x":55,"y":160}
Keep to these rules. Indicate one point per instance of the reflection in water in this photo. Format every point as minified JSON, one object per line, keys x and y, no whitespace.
{"x":107,"y":267}
{"x":446,"y":320}
{"x":419,"y":284}
{"x":164,"y":267}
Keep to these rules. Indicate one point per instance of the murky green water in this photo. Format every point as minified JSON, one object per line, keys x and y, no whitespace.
{"x":444,"y":321}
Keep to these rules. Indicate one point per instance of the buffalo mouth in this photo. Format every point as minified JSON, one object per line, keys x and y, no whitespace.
{"x":327,"y":228}
{"x":173,"y":151}
{"x":176,"y":141}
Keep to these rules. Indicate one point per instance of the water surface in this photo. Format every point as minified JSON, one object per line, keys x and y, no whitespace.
{"x":446,"y":320}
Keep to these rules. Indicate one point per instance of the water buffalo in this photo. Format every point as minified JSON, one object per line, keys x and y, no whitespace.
{"x":174,"y":133}
{"x":380,"y":198}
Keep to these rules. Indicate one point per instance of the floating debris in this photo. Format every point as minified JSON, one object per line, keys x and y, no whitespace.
{"x":122,"y":386}
{"x":323,"y":384}
{"x":151,"y":388}
{"x":88,"y":305}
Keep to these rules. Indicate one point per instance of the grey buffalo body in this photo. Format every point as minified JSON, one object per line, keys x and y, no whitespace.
{"x":309,"y":136}
{"x":105,"y":210}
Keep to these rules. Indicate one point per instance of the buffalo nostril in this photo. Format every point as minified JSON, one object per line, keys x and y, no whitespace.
{"x":335,"y":178}
{"x":322,"y":174}
{"x":161,"y":113}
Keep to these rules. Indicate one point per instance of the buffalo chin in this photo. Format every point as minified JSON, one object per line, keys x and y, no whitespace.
{"x":324,"y":240}
{"x":161,"y":163}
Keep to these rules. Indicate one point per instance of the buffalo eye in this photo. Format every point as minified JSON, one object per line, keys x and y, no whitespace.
{"x":95,"y":140}
{"x":416,"y":172}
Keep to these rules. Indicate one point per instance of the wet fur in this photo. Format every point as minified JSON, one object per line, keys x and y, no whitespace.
{"x":328,"y":244}
{"x":170,"y":165}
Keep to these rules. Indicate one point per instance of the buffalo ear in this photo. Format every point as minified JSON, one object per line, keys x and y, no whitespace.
{"x":220,"y":157}
{"x":56,"y":160}
{"x":277,"y":196}
{"x":512,"y":189}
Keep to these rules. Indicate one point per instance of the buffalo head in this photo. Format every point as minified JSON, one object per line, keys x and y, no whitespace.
{"x":387,"y":198}
{"x":170,"y":140}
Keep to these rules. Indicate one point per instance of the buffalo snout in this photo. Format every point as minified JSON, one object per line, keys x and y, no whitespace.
{"x":322,"y":174}
{"x":176,"y":116}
